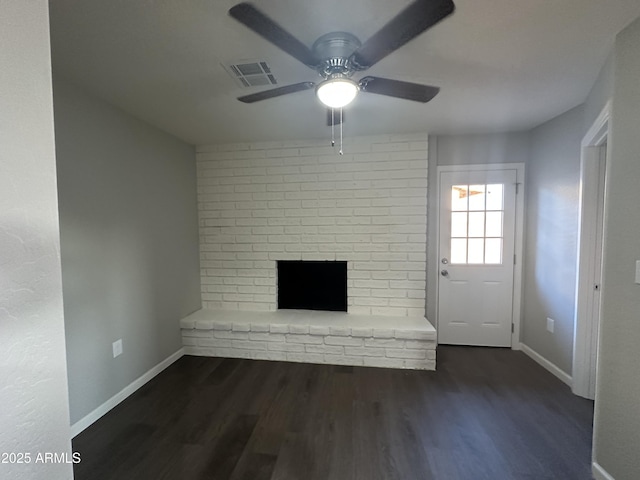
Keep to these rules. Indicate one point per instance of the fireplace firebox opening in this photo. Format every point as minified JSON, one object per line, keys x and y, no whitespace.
{"x":312,"y":285}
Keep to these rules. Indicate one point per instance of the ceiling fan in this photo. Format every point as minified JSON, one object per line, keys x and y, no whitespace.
{"x":338,"y":56}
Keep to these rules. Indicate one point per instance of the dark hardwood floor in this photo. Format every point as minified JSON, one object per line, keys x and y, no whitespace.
{"x":485,"y":414}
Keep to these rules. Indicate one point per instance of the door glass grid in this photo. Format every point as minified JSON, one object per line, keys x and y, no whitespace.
{"x":477,"y":221}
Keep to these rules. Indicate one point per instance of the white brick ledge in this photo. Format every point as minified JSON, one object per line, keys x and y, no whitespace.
{"x":312,"y":337}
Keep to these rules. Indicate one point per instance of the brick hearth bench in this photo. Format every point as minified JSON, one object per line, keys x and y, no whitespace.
{"x":312,"y":337}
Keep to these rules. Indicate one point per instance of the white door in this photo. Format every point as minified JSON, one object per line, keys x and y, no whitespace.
{"x":476,"y":255}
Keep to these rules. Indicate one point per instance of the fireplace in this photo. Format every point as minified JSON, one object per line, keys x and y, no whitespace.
{"x":312,"y":285}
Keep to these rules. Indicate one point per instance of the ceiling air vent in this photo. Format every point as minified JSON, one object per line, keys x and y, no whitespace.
{"x":251,"y":74}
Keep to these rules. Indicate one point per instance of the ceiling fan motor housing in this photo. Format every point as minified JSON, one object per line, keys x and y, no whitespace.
{"x":337,"y":56}
{"x":334,"y":50}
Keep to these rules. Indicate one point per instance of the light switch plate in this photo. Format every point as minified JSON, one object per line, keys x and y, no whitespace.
{"x":551,"y":323}
{"x":638,"y":272}
{"x":117,"y":348}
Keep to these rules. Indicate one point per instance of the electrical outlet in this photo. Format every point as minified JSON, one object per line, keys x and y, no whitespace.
{"x":551,"y":323}
{"x":117,"y":348}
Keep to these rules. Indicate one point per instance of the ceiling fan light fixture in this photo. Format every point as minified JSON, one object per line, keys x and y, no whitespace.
{"x":337,"y":92}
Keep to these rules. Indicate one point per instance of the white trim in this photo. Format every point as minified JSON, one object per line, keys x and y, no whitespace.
{"x":600,"y":473}
{"x":95,"y":415}
{"x":519,"y":251}
{"x":518,"y":239}
{"x":600,"y":128}
{"x":586,"y":324}
{"x":543,"y":362}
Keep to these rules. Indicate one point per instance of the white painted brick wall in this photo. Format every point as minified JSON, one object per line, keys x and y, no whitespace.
{"x":263,"y":202}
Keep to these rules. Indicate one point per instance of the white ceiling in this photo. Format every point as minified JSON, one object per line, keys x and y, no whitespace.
{"x":502,"y":65}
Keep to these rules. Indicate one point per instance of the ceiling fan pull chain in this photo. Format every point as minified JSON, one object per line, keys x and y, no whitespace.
{"x":333,"y":138}
{"x":341,"y":153}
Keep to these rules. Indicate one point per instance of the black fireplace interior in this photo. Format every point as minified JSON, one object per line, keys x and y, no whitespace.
{"x":312,"y":285}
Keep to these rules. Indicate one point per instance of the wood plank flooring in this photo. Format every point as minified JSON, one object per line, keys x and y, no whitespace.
{"x":485,"y":414}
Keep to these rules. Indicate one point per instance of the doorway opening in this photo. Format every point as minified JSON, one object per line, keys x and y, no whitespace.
{"x":589,"y":286}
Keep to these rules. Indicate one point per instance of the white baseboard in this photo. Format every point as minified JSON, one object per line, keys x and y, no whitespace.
{"x":92,"y":417}
{"x":600,"y":473}
{"x":551,"y":367}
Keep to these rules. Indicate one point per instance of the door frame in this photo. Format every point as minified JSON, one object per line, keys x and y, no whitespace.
{"x":586,"y":329}
{"x":518,"y":239}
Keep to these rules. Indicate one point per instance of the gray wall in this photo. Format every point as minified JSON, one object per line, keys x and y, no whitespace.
{"x":462,"y":150}
{"x":480,"y":149}
{"x":129,"y":235}
{"x":34,"y":413}
{"x":600,"y":94}
{"x":551,"y":236}
{"x":617,"y":424}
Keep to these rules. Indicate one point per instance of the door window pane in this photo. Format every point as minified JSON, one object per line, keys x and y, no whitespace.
{"x":494,"y":224}
{"x":458,"y":250}
{"x":476,"y":250}
{"x":493,"y":251}
{"x":459,"y":224}
{"x":476,"y":224}
{"x":476,"y":197}
{"x":495,"y":197}
{"x":459,"y":198}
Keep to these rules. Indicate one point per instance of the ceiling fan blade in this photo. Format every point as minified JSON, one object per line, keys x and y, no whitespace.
{"x":257,"y":21}
{"x":408,"y":24}
{"x":337,"y":120}
{"x":276,"y":92}
{"x":398,"y":89}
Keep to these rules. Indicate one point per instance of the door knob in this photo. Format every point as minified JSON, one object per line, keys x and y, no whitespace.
{"x":444,"y":273}
{"x":444,"y":261}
